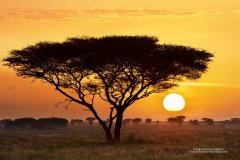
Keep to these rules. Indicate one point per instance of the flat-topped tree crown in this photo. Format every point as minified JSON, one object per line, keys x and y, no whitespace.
{"x":119,"y":69}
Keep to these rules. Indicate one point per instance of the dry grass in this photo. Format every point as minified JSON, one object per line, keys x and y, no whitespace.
{"x":139,"y":142}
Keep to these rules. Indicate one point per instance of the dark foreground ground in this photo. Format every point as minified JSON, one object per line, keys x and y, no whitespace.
{"x":139,"y":142}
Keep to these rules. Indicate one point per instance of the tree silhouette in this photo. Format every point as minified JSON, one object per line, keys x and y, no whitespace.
{"x":148,"y":120}
{"x":90,"y":120}
{"x":194,"y":122}
{"x":157,"y":121}
{"x":172,"y":120}
{"x":5,"y":121}
{"x":51,"y":123}
{"x":208,"y":121}
{"x":180,"y":119}
{"x":21,"y":123}
{"x":226,"y":122}
{"x":76,"y":121}
{"x":127,"y":121}
{"x":137,"y":120}
{"x":31,"y":123}
{"x":235,"y":121}
{"x":118,"y":69}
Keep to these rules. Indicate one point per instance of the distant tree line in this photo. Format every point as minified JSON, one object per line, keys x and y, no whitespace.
{"x":210,"y":121}
{"x":31,"y":123}
{"x":234,"y":121}
{"x":60,"y":123}
{"x":194,"y":122}
{"x":137,"y":121}
{"x":90,"y":120}
{"x":178,"y":120}
{"x":76,"y":122}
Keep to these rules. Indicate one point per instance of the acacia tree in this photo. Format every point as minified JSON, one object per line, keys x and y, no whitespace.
{"x":119,"y":69}
{"x":172,"y":120}
{"x":208,"y":121}
{"x":194,"y":122}
{"x":180,"y":119}
{"x":148,"y":120}
{"x":137,"y":120}
{"x":90,"y":120}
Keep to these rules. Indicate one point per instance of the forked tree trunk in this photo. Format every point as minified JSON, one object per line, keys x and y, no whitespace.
{"x":107,"y":130}
{"x":118,"y":125}
{"x":109,"y":136}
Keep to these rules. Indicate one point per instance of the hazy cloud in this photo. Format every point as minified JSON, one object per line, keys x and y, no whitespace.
{"x":138,"y":12}
{"x":236,"y":12}
{"x":42,"y":14}
{"x":50,"y":15}
{"x":97,"y":15}
{"x":210,"y":14}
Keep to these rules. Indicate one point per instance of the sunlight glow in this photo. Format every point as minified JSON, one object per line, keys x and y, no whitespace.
{"x":173,"y":102}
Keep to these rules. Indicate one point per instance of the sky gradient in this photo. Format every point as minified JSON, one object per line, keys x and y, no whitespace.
{"x":211,"y":25}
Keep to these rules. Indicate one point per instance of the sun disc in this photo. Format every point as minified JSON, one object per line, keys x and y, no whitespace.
{"x":173,"y":102}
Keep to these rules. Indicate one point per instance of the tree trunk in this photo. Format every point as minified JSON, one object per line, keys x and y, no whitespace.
{"x":109,"y":136}
{"x":118,"y":125}
{"x":107,"y":130}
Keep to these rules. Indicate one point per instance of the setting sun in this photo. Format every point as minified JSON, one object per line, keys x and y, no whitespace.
{"x":118,"y":79}
{"x":173,"y":102}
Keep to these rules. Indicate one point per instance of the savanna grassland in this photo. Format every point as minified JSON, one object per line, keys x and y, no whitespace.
{"x":138,"y":142}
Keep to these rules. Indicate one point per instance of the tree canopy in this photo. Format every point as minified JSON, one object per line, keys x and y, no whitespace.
{"x":119,"y":69}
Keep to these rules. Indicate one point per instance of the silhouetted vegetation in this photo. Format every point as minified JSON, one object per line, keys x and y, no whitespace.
{"x":90,"y":120}
{"x":194,"y":122}
{"x":137,"y":120}
{"x":172,"y":120}
{"x":31,"y":123}
{"x":178,"y":120}
{"x":76,"y":122}
{"x":148,"y":120}
{"x":157,"y":121}
{"x":21,"y":123}
{"x":208,"y":121}
{"x":232,"y":121}
{"x":235,"y":121}
{"x":119,"y":69}
{"x":226,"y":122}
{"x":4,"y":121}
{"x":127,"y":121}
{"x":52,"y":123}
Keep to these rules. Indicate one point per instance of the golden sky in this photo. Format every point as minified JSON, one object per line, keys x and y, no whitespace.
{"x":211,"y":25}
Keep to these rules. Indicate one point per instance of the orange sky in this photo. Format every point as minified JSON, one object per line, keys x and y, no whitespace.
{"x":212,"y":25}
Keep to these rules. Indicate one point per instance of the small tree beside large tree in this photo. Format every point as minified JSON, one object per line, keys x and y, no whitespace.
{"x":119,"y":69}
